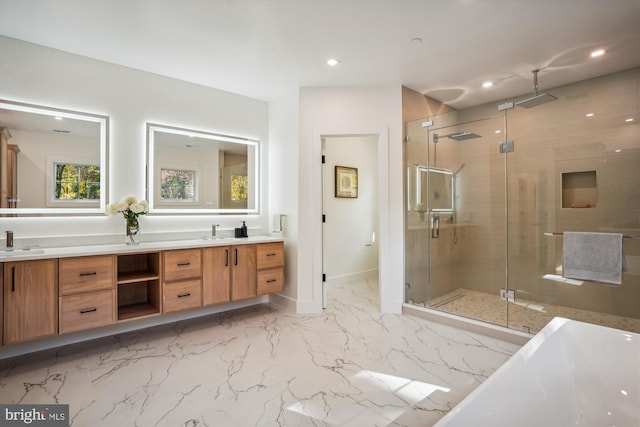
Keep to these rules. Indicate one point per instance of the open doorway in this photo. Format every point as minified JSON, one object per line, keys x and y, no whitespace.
{"x":350,"y":212}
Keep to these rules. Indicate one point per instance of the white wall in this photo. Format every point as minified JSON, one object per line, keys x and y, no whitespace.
{"x":43,"y":76}
{"x":349,"y":249}
{"x":350,"y":111}
{"x":284,"y":186}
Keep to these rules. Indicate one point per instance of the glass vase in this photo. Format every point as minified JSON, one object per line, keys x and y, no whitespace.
{"x":133,"y":231}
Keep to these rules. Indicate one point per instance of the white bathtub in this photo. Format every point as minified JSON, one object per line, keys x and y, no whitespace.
{"x":569,"y":374}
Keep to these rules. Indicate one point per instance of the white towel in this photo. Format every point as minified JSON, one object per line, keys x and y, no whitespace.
{"x":593,"y":256}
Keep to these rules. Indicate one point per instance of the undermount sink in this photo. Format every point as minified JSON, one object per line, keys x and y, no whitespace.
{"x":20,"y":252}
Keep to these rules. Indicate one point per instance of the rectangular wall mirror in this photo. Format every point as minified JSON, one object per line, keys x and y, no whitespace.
{"x":52,"y":161}
{"x":192,"y":172}
{"x":434,"y":189}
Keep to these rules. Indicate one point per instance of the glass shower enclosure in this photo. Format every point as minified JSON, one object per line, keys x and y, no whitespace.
{"x":491,"y":189}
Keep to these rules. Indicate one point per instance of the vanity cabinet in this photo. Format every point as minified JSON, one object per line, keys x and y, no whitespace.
{"x":45,"y":297}
{"x":270,"y":265}
{"x":243,"y":272}
{"x":216,"y":275}
{"x":30,"y":300}
{"x":182,"y":279}
{"x":86,"y":292}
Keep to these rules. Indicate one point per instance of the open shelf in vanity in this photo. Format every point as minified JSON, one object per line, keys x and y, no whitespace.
{"x":138,"y":285}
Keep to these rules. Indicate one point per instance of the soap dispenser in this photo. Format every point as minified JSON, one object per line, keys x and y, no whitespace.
{"x":245,"y":232}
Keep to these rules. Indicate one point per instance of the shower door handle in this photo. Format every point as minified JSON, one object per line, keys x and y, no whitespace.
{"x":435,"y":227}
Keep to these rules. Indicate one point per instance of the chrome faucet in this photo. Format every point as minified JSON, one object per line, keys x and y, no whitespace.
{"x":9,"y":234}
{"x":214,"y":229}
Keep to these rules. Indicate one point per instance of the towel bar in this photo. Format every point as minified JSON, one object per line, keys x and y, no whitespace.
{"x":624,"y":236}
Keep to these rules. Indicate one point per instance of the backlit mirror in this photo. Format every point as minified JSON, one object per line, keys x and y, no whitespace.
{"x":434,"y":189}
{"x":193,"y":171}
{"x":52,"y":161}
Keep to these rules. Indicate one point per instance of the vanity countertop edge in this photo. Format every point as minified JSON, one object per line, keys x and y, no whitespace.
{"x":107,"y":249}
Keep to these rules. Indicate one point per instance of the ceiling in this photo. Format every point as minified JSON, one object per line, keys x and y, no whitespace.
{"x":262,"y":49}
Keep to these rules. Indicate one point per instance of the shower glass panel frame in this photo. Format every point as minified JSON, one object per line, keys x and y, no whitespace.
{"x":455,"y":253}
{"x":563,"y":170}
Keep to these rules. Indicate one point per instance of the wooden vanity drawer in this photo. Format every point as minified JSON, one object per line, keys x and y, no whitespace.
{"x":270,"y":255}
{"x":86,"y":311}
{"x":182,"y":264}
{"x":270,"y":280}
{"x":84,"y":274}
{"x":182,"y":295}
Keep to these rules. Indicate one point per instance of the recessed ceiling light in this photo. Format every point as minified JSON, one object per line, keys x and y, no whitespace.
{"x":58,"y":118}
{"x":597,"y":53}
{"x":498,"y":131}
{"x":487,"y":84}
{"x":618,"y":150}
{"x":589,"y":114}
{"x":332,"y":62}
{"x":629,"y":120}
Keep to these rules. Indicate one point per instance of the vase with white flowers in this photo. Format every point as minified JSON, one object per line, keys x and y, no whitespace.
{"x":130,"y":208}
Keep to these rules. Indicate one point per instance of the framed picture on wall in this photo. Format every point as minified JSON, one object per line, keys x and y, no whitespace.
{"x":346,"y":182}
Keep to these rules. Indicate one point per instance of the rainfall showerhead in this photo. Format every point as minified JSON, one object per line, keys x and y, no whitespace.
{"x":458,"y":136}
{"x":537,"y":98}
{"x":461,"y":136}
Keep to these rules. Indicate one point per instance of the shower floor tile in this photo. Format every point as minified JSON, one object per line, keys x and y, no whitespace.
{"x":523,"y":315}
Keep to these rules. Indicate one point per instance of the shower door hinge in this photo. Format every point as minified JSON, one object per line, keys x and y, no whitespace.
{"x":507,"y":147}
{"x":508,"y":295}
{"x":324,"y":277}
{"x":323,"y":159}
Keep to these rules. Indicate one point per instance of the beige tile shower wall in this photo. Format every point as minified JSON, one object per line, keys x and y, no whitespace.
{"x":558,"y":138}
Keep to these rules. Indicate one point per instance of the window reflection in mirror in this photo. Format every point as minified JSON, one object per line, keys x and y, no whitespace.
{"x":193,"y":171}
{"x":52,"y":161}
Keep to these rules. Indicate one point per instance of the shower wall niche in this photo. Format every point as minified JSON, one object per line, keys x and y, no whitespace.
{"x":568,"y":171}
{"x":579,"y":189}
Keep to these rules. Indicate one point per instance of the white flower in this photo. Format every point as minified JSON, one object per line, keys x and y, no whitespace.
{"x":129,"y":207}
{"x":121,"y":206}
{"x":130,"y":200}
{"x":111,"y":209}
{"x":136,"y":208}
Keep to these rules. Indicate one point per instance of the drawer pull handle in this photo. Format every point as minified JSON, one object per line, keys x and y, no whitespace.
{"x":226,"y":263}
{"x":271,"y":280}
{"x":186,"y":294}
{"x":13,"y":279}
{"x":93,"y":273}
{"x":272,"y":254}
{"x":183,"y":264}
{"x":88,"y":310}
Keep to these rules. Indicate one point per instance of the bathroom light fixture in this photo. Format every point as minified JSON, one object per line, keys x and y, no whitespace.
{"x":332,"y":62}
{"x":487,"y":84}
{"x":598,"y":52}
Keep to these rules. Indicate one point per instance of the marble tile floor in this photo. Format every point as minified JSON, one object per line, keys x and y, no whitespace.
{"x":523,"y":313}
{"x":264,"y":366}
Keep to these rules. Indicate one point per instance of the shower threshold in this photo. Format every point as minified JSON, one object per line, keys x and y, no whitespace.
{"x":525,"y":316}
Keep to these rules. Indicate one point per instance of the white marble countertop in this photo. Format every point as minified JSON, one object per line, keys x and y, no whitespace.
{"x":21,"y":254}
